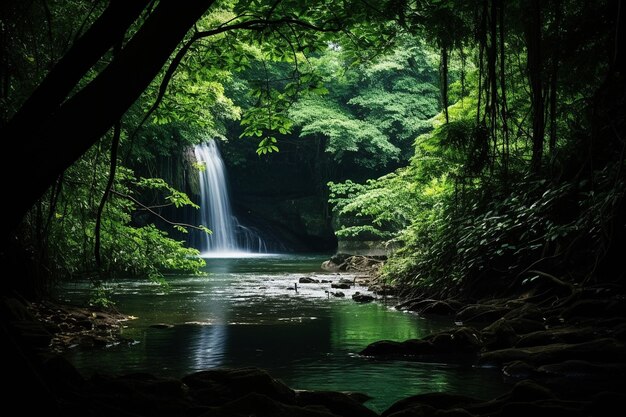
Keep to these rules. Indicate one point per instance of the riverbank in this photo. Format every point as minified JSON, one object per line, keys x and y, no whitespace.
{"x":252,"y":391}
{"x":589,"y":361}
{"x":563,"y":346}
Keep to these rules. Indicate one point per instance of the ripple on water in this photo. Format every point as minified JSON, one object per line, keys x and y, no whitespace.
{"x":307,"y":339}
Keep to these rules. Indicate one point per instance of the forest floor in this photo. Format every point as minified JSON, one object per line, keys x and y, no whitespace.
{"x":564,"y":352}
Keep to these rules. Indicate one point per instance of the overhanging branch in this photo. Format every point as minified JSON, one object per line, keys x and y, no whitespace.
{"x":255,"y":24}
{"x":148,"y":209}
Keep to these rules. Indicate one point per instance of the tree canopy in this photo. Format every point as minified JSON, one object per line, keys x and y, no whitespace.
{"x":483,"y":126}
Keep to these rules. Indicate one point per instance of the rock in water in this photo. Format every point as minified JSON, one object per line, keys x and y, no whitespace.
{"x":161,"y":326}
{"x":362,"y":298}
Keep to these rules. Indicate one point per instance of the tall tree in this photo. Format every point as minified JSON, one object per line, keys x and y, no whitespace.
{"x":533,"y":48}
{"x":59,"y":134}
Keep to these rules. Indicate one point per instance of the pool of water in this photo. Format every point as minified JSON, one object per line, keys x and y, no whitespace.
{"x":246,"y":312}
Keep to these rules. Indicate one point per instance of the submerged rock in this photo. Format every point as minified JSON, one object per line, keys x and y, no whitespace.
{"x":161,"y":326}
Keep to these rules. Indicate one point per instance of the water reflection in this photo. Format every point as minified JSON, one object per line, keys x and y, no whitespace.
{"x":242,"y":314}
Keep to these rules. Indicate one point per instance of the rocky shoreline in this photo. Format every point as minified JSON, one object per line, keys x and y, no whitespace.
{"x":564,"y":355}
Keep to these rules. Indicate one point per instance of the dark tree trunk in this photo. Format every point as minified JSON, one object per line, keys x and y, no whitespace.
{"x":492,"y":83}
{"x":533,"y":44}
{"x":63,"y":78}
{"x":503,"y":103}
{"x":443,"y":73}
{"x":62,"y":138}
{"x":554,"y":77}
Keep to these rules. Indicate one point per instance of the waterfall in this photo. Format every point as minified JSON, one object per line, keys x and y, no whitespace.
{"x":229,"y":237}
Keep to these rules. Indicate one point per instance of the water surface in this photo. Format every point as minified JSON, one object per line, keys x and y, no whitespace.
{"x":245,"y":312}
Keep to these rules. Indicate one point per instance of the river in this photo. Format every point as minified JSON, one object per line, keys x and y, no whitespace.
{"x":245,"y":312}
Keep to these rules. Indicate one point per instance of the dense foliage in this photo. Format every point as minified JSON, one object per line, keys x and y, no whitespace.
{"x":497,"y":128}
{"x":499,"y":195}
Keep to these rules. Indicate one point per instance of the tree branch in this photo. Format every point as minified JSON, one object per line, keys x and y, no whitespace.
{"x":255,"y":24}
{"x":144,"y":207}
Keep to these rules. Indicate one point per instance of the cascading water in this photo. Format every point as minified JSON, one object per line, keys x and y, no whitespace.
{"x":229,"y":238}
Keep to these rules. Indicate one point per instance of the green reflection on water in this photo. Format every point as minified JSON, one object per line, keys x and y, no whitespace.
{"x":242,"y":314}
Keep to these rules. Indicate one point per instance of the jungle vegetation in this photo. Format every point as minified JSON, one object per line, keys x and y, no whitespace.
{"x":483,"y":140}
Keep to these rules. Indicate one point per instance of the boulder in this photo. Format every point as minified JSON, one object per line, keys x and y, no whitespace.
{"x":255,"y":404}
{"x":307,"y":280}
{"x":335,"y":402}
{"x":340,"y":286}
{"x":416,"y":305}
{"x":330,"y":266}
{"x":525,"y":409}
{"x":218,"y":386}
{"x":528,"y":390}
{"x":362,"y":298}
{"x":383,"y":290}
{"x":432,"y":401}
{"x":438,"y":308}
{"x":499,"y":335}
{"x":389,"y":348}
{"x":338,"y":294}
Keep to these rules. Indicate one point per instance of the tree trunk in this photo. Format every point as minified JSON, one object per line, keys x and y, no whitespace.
{"x":533,"y":44}
{"x":91,"y":112}
{"x":443,"y":74}
{"x":553,"y":78}
{"x":67,"y":73}
{"x":503,"y":103}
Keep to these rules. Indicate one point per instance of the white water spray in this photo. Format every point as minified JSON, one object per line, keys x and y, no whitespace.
{"x":229,"y":238}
